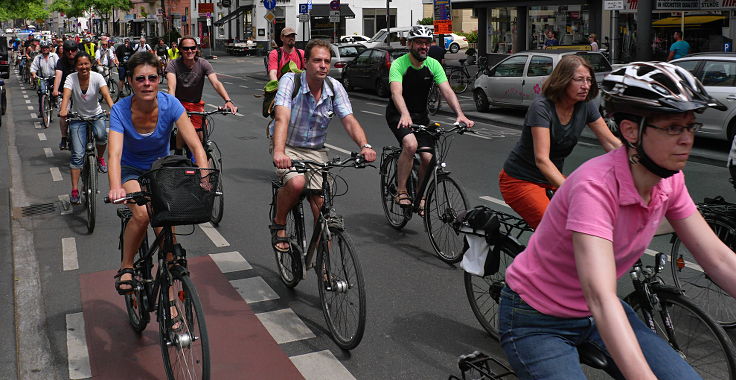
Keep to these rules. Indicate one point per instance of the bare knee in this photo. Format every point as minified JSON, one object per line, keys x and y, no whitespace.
{"x":409,"y":146}
{"x":296,"y":184}
{"x":426,"y":158}
{"x":140,"y":216}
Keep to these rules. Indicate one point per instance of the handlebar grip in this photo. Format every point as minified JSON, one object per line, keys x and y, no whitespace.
{"x":106,"y":200}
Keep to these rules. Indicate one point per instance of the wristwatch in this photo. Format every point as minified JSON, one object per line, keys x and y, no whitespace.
{"x":369,"y":146}
{"x":228,"y":101}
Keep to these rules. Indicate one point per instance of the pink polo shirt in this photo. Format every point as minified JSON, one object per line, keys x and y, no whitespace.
{"x":599,"y":199}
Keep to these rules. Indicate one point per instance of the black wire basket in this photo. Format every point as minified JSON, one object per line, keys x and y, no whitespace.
{"x":180,"y":195}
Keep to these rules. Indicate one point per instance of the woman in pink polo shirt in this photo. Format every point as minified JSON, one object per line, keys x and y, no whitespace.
{"x":561,"y":291}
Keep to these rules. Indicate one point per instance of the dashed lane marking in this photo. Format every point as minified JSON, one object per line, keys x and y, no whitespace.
{"x":42,"y":136}
{"x":48,"y":152}
{"x":465,"y":97}
{"x":33,"y":115}
{"x":25,"y":96}
{"x":285,"y":326}
{"x":55,"y":174}
{"x":217,"y":239}
{"x":244,"y":86}
{"x":69,"y":253}
{"x":337,"y":148}
{"x":230,"y":262}
{"x":494,"y":200}
{"x":28,"y":101}
{"x":226,"y":82}
{"x":254,"y":289}
{"x":37,"y":124}
{"x":30,"y":108}
{"x":372,"y":113}
{"x":76,"y":344}
{"x":321,"y":365}
{"x":375,"y":104}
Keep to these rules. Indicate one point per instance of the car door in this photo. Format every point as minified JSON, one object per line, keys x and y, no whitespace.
{"x":719,"y":80}
{"x":540,"y":67}
{"x":505,"y":81}
{"x":378,"y":59}
{"x":359,"y":66}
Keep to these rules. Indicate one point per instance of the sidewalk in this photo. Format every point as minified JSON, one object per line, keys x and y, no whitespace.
{"x":8,"y":368}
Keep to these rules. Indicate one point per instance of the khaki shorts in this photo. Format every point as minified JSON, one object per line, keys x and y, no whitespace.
{"x":314,"y":179}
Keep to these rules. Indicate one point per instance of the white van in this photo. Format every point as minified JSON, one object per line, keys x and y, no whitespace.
{"x":397,"y":38}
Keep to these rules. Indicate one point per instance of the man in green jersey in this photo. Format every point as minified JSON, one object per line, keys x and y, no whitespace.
{"x":412,"y":74}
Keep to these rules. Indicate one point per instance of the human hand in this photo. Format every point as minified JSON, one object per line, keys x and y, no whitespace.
{"x":231,"y":107}
{"x":405,"y":121}
{"x":281,"y":160}
{"x":465,"y":120}
{"x":369,"y":154}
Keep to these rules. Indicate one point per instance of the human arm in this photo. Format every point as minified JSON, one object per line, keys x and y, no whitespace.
{"x":171,"y":77}
{"x":542,"y":144}
{"x":220,"y":88}
{"x":105,"y":91}
{"x":281,"y":126}
{"x":454,"y":104}
{"x":671,"y":55}
{"x":398,"y":98}
{"x":57,"y":82}
{"x":34,"y":68}
{"x":114,"y":154}
{"x":64,"y":109}
{"x":596,"y":269}
{"x":272,"y":65}
{"x":189,"y":135}
{"x":605,"y":137}
{"x":356,"y":132}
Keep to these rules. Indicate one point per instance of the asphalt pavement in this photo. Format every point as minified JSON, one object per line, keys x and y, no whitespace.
{"x":418,"y":319}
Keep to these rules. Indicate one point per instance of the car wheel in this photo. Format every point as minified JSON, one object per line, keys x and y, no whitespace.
{"x":382,"y":88}
{"x":347,"y":83}
{"x":454,"y":48}
{"x":481,"y":100}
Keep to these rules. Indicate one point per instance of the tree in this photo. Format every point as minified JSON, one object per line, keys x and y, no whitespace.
{"x":426,"y":21}
{"x":27,"y":10}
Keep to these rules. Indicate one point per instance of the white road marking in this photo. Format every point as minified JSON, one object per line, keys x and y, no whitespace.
{"x":321,"y":365}
{"x":55,"y":174}
{"x":688,"y":264}
{"x":341,"y":150}
{"x":30,"y":108}
{"x":254,"y":289}
{"x":372,"y":113}
{"x":25,"y":96}
{"x":226,"y":82}
{"x":244,"y":86}
{"x":479,"y":136}
{"x":69,"y":253}
{"x":375,"y":104}
{"x":37,"y":124}
{"x":42,"y":136}
{"x":76,"y":344}
{"x":465,"y":97}
{"x":494,"y":200}
{"x":214,"y":235}
{"x":28,"y":101}
{"x":230,"y":262}
{"x":285,"y":326}
{"x":33,"y":115}
{"x":48,"y":152}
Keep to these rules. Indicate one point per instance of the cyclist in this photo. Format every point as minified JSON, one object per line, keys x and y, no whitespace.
{"x":173,"y":53}
{"x":437,"y":52}
{"x":279,"y":57}
{"x":64,"y":67}
{"x":161,"y":49}
{"x":89,"y":46}
{"x":105,"y":58}
{"x":410,"y":78}
{"x":123,"y":53}
{"x":561,"y":290}
{"x":185,"y":80}
{"x":45,"y":65}
{"x":299,"y":131}
{"x":553,"y":124}
{"x":142,"y":46}
{"x":140,"y":128}
{"x":83,"y":87}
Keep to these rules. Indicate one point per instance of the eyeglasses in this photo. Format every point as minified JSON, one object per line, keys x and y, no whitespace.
{"x":581,"y":80}
{"x":71,"y":50}
{"x":187,"y":48}
{"x":153,"y":78}
{"x":676,"y":130}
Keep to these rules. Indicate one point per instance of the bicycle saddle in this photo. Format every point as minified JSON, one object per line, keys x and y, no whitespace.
{"x":592,"y":356}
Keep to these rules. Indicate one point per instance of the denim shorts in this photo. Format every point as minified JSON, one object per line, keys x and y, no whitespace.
{"x":78,"y":138}
{"x":128,"y":173}
{"x":541,"y":346}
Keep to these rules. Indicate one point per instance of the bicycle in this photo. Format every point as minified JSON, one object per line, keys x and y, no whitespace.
{"x":184,"y":348}
{"x":125,"y":90}
{"x":89,"y":170}
{"x":688,"y":276}
{"x":434,"y":100}
{"x":162,"y":62}
{"x":339,"y":275}
{"x":111,"y":82}
{"x":444,"y":197}
{"x":700,"y":340}
{"x":214,"y":158}
{"x":46,"y":102}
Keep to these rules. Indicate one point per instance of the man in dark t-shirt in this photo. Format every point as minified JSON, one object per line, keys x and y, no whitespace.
{"x":64,"y":67}
{"x":123,"y":53}
{"x":437,"y":52}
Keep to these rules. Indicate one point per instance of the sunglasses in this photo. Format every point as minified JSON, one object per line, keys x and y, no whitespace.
{"x":187,"y":48}
{"x":153,"y":78}
{"x":71,"y":50}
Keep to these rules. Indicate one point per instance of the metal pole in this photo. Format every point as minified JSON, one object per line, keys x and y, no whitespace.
{"x":614,"y":27}
{"x":388,"y":25}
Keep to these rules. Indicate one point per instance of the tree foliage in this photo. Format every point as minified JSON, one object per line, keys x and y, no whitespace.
{"x":38,"y":9}
{"x":26,"y":9}
{"x":425,"y":21}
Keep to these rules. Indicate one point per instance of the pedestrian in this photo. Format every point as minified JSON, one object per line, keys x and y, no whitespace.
{"x":551,"y":39}
{"x":593,"y":42}
{"x":280,"y":57}
{"x":437,"y":52}
{"x":679,"y":48}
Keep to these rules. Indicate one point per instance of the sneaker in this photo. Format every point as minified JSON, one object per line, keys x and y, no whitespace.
{"x":101,"y":165}
{"x":63,"y":145}
{"x":74,"y":197}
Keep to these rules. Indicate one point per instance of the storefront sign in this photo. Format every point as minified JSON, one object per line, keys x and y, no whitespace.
{"x":610,"y":5}
{"x":204,"y":8}
{"x":678,"y":4}
{"x":690,"y":4}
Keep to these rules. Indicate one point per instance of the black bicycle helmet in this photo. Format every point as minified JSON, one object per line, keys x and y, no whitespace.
{"x":70,"y":45}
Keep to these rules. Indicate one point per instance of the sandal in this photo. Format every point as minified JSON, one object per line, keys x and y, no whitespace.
{"x":403,"y":199}
{"x":175,"y":324}
{"x":132,"y":283}
{"x":276,"y":239}
{"x":420,"y":209}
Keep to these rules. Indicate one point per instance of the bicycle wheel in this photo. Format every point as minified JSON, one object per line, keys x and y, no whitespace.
{"x":90,"y":191}
{"x":113,"y":87}
{"x":396,"y":216}
{"x":696,"y":284}
{"x":135,"y":303}
{"x":696,"y":336}
{"x":341,"y":289}
{"x":125,"y":90}
{"x":457,"y":81}
{"x":484,"y":292}
{"x":218,"y":206}
{"x":443,"y":202}
{"x":434,"y":99}
{"x":290,"y":263}
{"x":184,"y":344}
{"x":46,"y":110}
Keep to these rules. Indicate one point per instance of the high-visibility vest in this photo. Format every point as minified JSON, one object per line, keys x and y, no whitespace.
{"x":174,"y":53}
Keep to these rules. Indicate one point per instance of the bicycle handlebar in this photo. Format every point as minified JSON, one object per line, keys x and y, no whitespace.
{"x":437,"y":128}
{"x":138,"y":197}
{"x":74,"y":116}
{"x":220,"y":110}
{"x":355,"y":160}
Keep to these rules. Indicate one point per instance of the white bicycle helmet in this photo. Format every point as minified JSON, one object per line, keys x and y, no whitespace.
{"x":419,"y":31}
{"x":644,"y":88}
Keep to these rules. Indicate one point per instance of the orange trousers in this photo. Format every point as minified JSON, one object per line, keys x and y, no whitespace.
{"x":528,"y":199}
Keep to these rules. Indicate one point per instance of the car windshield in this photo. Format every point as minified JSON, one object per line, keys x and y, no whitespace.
{"x":378,"y":37}
{"x":398,"y":53}
{"x":349,"y":51}
{"x":598,"y":62}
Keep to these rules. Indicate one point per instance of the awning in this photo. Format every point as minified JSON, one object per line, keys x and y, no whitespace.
{"x":237,"y":12}
{"x":323,"y":10}
{"x":691,"y":21}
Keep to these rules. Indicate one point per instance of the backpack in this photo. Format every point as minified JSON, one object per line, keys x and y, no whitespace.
{"x":269,"y":96}
{"x":278,"y":59}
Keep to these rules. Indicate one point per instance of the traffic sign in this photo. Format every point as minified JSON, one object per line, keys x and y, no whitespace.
{"x":334,"y":16}
{"x":335,"y":5}
{"x":611,"y":5}
{"x":309,"y":4}
{"x":303,"y":8}
{"x":269,"y":16}
{"x":269,"y":4}
{"x":303,"y":17}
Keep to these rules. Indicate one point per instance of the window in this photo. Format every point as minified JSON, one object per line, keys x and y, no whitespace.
{"x":719,"y":73}
{"x":539,"y":66}
{"x":690,"y":65}
{"x":512,"y":67}
{"x":364,"y":58}
{"x":349,"y":51}
{"x":378,"y":56}
{"x":598,"y":62}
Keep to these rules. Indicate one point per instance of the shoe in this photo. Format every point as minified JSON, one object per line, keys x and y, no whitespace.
{"x":101,"y":165}
{"x":74,"y":197}
{"x":64,"y":144}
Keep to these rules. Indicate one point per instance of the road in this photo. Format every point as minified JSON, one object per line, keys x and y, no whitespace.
{"x":419,"y":320}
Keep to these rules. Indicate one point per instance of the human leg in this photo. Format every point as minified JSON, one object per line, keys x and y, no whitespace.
{"x":526,"y":198}
{"x":101,"y":141}
{"x":76,"y":162}
{"x":403,"y":168}
{"x":133,"y":235}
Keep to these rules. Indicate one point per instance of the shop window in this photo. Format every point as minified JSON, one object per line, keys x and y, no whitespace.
{"x":512,"y":67}
{"x":718,"y":73}
{"x":539,"y":66}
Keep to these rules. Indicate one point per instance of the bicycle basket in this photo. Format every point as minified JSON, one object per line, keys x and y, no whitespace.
{"x":180,"y":195}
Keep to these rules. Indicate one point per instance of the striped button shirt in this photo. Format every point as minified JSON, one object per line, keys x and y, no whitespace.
{"x":310,"y":117}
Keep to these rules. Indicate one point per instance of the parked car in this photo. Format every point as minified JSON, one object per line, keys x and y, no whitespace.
{"x":397,"y":38}
{"x":515,"y":81}
{"x":341,"y":55}
{"x":370,"y":70}
{"x":717,"y":72}
{"x":4,"y":59}
{"x":354,"y":38}
{"x":454,"y":43}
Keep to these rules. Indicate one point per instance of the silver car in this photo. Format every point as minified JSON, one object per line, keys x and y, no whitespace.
{"x":517,"y":80}
{"x":341,"y":55}
{"x":717,"y":72}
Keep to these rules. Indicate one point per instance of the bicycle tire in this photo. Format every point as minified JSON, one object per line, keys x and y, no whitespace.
{"x":484,"y":292}
{"x":434,"y":100}
{"x":697,"y":285}
{"x":112,"y":86}
{"x":346,"y":289}
{"x":439,"y":216}
{"x":46,"y":110}
{"x":90,"y":192}
{"x":218,"y":206}
{"x":135,"y":303}
{"x":396,"y":216}
{"x":125,"y":90}
{"x":457,"y":81}
{"x":289,"y":263}
{"x":710,"y":352}
{"x":185,"y":353}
